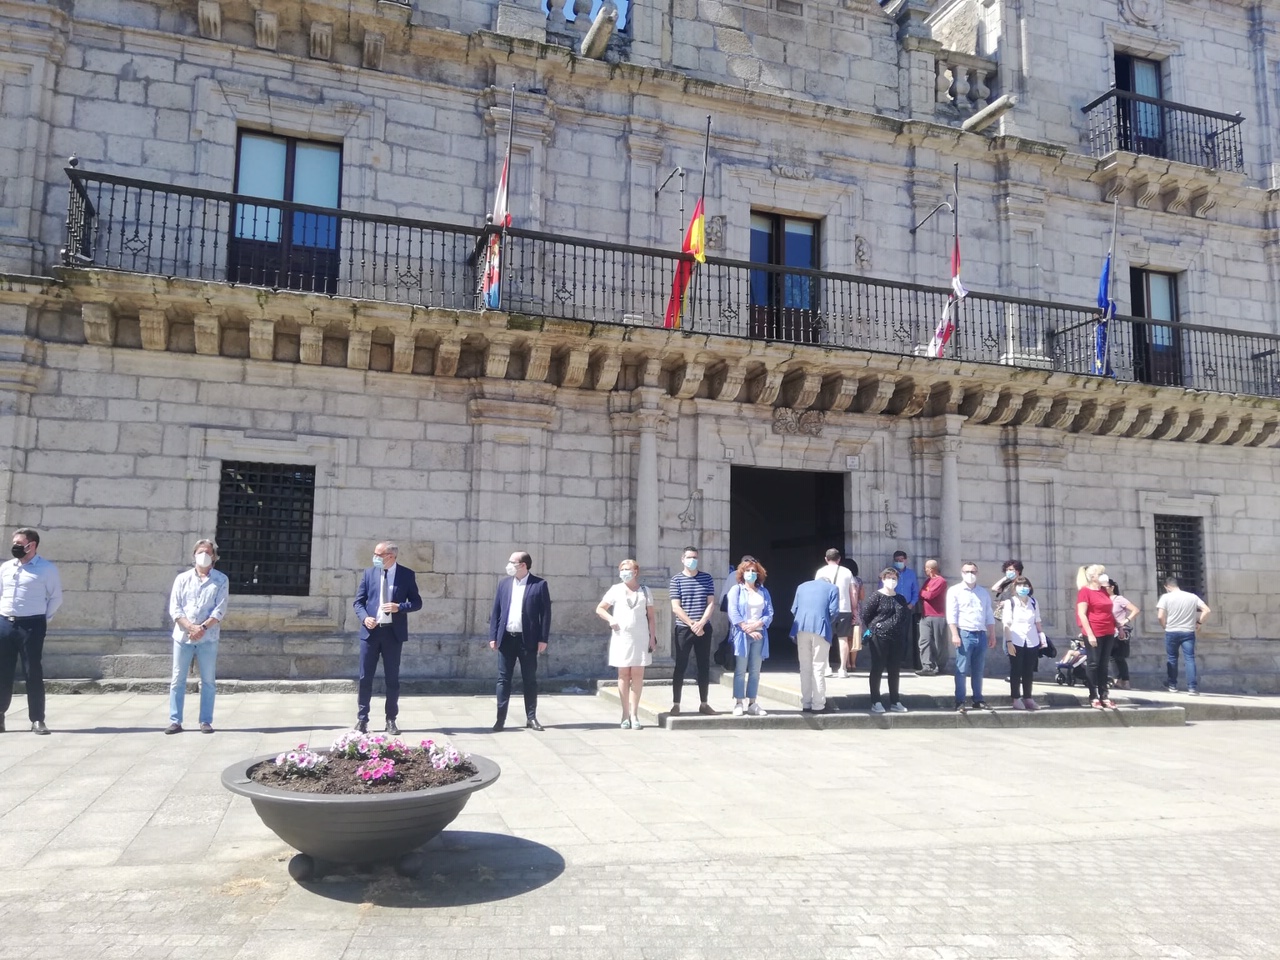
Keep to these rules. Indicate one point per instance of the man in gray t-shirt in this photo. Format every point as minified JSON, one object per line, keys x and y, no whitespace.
{"x":1180,"y":613}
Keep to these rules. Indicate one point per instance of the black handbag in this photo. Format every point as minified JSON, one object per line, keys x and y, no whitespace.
{"x":724,"y":655}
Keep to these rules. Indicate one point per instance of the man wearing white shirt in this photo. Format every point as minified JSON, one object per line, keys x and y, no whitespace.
{"x":197,"y":606}
{"x":972,"y":621}
{"x":519,"y":628}
{"x":30,"y":594}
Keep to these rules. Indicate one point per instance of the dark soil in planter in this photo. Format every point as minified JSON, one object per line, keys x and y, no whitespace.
{"x":338,"y":776}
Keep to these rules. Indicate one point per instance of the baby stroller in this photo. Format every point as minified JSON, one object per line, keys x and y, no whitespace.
{"x":1072,"y":665}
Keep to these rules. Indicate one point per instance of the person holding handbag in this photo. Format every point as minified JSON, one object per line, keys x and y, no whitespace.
{"x":1126,"y":614}
{"x":1023,"y":638}
{"x":628,"y":609}
{"x":888,"y":619}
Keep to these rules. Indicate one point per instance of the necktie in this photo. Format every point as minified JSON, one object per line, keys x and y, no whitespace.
{"x":383,"y":596}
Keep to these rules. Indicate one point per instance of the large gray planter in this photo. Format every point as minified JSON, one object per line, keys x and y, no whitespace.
{"x":359,"y":828}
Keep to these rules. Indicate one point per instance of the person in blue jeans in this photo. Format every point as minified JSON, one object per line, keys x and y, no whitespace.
{"x":750,"y":613}
{"x":1180,"y":613}
{"x":972,"y":623}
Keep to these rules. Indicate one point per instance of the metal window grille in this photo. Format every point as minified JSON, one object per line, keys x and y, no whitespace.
{"x":264,"y":527}
{"x":1180,"y":552}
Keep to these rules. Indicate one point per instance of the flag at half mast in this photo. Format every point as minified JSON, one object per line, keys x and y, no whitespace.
{"x":695,"y":242}
{"x":947,"y":325}
{"x":491,"y":275}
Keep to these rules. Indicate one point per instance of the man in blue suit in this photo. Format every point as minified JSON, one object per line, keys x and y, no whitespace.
{"x":387,"y":594}
{"x":518,"y":629}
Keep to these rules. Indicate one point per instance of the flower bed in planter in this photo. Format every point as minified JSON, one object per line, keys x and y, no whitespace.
{"x":366,"y":799}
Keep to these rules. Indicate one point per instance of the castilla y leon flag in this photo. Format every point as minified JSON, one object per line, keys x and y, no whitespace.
{"x":491,"y":288}
{"x":947,"y":325}
{"x":695,"y":242}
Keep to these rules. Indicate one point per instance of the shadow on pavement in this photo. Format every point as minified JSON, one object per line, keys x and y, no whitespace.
{"x":196,"y":729}
{"x":462,"y":867}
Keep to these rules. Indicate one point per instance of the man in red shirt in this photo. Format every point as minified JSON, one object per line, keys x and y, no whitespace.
{"x":933,"y":622}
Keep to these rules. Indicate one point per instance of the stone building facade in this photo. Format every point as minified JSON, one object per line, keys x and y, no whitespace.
{"x":794,"y":409}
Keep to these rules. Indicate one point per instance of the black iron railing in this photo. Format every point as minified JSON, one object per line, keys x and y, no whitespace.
{"x":118,"y":223}
{"x":1120,"y":120}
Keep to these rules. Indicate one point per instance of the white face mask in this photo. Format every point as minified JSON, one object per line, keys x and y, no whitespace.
{"x":1103,"y":579}
{"x":511,"y":569}
{"x":890,"y":584}
{"x":204,"y":560}
{"x":969,"y":578}
{"x":627,"y":575}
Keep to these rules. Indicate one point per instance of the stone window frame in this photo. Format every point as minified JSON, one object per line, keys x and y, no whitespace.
{"x":208,"y":447}
{"x":263,"y":553}
{"x":1203,"y":505}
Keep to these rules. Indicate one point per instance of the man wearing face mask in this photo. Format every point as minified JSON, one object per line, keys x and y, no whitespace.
{"x":30,"y":594}
{"x":519,"y":628}
{"x":971,"y":621}
{"x":387,"y":594}
{"x":693,"y":596}
{"x":198,"y":605}
{"x":909,"y":590}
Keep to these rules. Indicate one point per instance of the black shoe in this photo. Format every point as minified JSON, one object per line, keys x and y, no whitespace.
{"x":362,"y":726}
{"x":392,"y":728}
{"x":40,"y":728}
{"x":961,"y":708}
{"x":927,"y":672}
{"x":806,"y":710}
{"x":533,"y":724}
{"x":499,"y":725}
{"x":980,"y":705}
{"x":1,"y":723}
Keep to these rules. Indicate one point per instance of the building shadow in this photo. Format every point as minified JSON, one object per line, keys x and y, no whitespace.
{"x":461,"y":867}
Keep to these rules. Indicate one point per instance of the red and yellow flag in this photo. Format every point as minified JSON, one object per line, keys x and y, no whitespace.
{"x":695,"y":242}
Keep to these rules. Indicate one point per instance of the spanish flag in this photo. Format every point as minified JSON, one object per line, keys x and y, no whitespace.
{"x":695,"y":242}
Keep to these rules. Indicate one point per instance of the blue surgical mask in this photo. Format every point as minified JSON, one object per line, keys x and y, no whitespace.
{"x":1010,"y":574}
{"x":691,"y":563}
{"x":749,"y":576}
{"x":899,"y":564}
{"x":377,"y":562}
{"x":627,"y":575}
{"x":1024,"y":591}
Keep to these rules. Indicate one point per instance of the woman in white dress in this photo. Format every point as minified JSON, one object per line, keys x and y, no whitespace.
{"x":628,"y":609}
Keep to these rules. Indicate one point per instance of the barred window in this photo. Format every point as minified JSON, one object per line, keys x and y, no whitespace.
{"x":264,"y":527}
{"x":1180,"y":552}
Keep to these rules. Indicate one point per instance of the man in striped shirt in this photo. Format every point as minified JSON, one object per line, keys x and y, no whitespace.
{"x":693,"y":596}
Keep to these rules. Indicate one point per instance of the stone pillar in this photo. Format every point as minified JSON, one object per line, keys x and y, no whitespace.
{"x":648,"y":422}
{"x":949,"y":507}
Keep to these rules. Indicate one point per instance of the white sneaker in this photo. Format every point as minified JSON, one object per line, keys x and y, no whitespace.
{"x":755,"y":710}
{"x":897,"y":708}
{"x":877,"y":707}
{"x":843,"y":674}
{"x":636,"y":724}
{"x":737,"y":710}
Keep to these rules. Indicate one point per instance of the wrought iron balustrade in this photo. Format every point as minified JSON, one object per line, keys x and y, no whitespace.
{"x":1120,"y":120}
{"x":118,"y":223}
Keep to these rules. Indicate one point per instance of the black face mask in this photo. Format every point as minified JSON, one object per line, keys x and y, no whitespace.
{"x":18,"y":550}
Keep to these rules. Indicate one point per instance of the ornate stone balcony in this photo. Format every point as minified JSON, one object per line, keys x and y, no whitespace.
{"x":188,"y":271}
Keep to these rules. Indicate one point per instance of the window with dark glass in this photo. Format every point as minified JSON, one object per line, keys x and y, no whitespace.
{"x":784,"y":302}
{"x":276,"y":244}
{"x":264,"y":527}
{"x":1180,"y":552}
{"x":1157,"y":348}
{"x":1141,"y":123}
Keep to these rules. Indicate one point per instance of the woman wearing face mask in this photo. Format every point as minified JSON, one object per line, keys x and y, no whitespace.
{"x":887,"y":618}
{"x":1022,"y":637}
{"x":750,"y":613}
{"x":1096,"y":616}
{"x":1125,"y":613}
{"x":628,"y":609}
{"x":197,"y":604}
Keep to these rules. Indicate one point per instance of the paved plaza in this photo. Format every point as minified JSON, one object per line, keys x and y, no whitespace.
{"x":740,"y":843}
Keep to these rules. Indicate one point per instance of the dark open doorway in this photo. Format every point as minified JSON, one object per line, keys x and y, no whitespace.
{"x":786,"y":519}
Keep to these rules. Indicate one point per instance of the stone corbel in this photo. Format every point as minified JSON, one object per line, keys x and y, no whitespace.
{"x":875,"y":392}
{"x":266,"y":30}
{"x":910,"y":398}
{"x":604,"y":369}
{"x":1251,"y":432}
{"x":1175,"y":197}
{"x":1224,"y":429}
{"x":1114,"y":188}
{"x":402,"y":352}
{"x":1198,"y":425}
{"x":1145,"y":192}
{"x":359,"y":343}
{"x":1202,"y":203}
{"x":766,"y":387}
{"x":496,"y":357}
{"x":321,"y":41}
{"x":208,"y":329}
{"x":802,"y":388}
{"x":262,"y":339}
{"x":99,"y":323}
{"x":1006,"y":409}
{"x":1269,"y":430}
{"x":374,"y":45}
{"x":209,"y":16}
{"x":1173,"y":424}
{"x":652,"y":374}
{"x":310,"y":344}
{"x":154,"y":327}
{"x":448,"y":352}
{"x":575,"y":368}
{"x":539,"y":363}
{"x":1092,"y":416}
{"x":837,"y":393}
{"x":1147,"y":420}
{"x":1120,"y":420}
{"x":1032,"y":414}
{"x":735,"y":375}
{"x":1062,"y":413}
{"x":690,"y":379}
{"x":979,"y":404}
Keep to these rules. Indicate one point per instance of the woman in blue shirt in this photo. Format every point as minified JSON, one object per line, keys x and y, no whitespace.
{"x":750,"y":613}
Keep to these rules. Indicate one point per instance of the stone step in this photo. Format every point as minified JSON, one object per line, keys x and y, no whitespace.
{"x":442,"y":687}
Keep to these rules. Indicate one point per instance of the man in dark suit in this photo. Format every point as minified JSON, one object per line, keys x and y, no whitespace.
{"x":387,"y":594}
{"x":518,"y":629}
